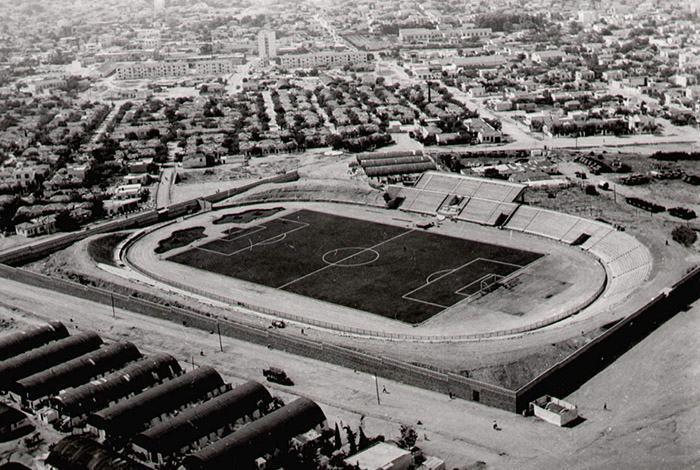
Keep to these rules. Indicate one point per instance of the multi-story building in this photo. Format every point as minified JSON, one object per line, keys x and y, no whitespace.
{"x":323,"y":59}
{"x":422,"y":35}
{"x":267,"y":44}
{"x":179,"y":68}
{"x":141,"y":70}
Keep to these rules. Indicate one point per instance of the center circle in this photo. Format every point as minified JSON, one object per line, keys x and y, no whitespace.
{"x":350,"y":257}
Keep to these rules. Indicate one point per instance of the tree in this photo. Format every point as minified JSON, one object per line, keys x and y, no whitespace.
{"x":684,"y":235}
{"x":351,"y":440}
{"x":65,"y":222}
{"x":336,"y":434}
{"x":363,"y":443}
{"x":408,"y":437}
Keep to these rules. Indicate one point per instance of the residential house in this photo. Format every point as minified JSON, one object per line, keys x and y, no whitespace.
{"x":36,"y":227}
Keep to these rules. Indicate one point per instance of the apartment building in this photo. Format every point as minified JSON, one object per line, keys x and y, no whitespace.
{"x":422,"y":35}
{"x":267,"y":44}
{"x":141,"y":70}
{"x":323,"y":59}
{"x":160,"y":69}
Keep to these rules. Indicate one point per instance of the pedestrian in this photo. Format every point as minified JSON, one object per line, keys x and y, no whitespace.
{"x":605,"y":406}
{"x":302,"y":331}
{"x":384,"y":390}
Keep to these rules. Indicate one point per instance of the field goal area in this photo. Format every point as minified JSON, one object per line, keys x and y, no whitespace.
{"x":465,"y":281}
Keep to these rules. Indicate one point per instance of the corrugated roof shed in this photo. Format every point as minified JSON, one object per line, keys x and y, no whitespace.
{"x":76,"y":452}
{"x":133,"y":378}
{"x":22,"y":341}
{"x":76,"y":371}
{"x":395,"y":161}
{"x":130,"y":416}
{"x":194,"y":423}
{"x":401,"y":169}
{"x":258,"y":438}
{"x":47,"y":356}
{"x":9,"y":416}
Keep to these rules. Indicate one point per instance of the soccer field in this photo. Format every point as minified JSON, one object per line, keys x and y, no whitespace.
{"x":405,"y":274}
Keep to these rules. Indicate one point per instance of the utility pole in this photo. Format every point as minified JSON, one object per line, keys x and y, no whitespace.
{"x":114,"y":313}
{"x":376,"y":386}
{"x":218,"y":329}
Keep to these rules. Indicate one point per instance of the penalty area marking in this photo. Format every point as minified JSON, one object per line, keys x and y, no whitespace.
{"x":438,"y":275}
{"x":268,"y":241}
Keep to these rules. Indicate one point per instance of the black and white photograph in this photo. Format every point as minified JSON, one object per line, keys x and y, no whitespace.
{"x":349,"y":234}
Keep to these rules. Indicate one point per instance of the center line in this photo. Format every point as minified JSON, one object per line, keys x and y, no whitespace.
{"x":345,"y":259}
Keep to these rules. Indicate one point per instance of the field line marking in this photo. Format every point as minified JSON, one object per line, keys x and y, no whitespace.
{"x":405,"y":296}
{"x":489,"y":260}
{"x":449,"y":272}
{"x":459,"y":291}
{"x":346,"y":258}
{"x":246,"y":231}
{"x":262,"y":242}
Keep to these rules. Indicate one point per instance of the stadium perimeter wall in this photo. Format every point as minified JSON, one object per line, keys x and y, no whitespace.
{"x":28,"y":253}
{"x":569,"y":374}
{"x":439,"y":381}
{"x":559,"y":380}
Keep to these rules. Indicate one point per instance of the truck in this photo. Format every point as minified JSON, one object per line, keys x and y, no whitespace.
{"x":277,"y":375}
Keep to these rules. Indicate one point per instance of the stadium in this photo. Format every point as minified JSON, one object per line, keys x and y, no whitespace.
{"x":461,"y":259}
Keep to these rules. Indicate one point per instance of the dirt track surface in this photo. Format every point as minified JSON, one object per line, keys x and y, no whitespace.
{"x":651,"y":392}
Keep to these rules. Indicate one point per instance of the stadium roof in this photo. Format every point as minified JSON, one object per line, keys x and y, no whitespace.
{"x":194,"y":423}
{"x":131,"y":379}
{"x":77,"y":452}
{"x":76,"y":371}
{"x":258,"y":438}
{"x":44,"y":357}
{"x":131,"y":415}
{"x":22,"y":341}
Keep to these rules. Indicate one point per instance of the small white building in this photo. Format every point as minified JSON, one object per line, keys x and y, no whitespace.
{"x":554,"y":411}
{"x":382,"y":456}
{"x":35,"y":227}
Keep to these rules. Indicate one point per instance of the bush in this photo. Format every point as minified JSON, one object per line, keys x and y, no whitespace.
{"x":686,"y":236}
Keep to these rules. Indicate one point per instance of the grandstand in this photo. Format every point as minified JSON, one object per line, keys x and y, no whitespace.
{"x":619,"y":252}
{"x":480,"y":200}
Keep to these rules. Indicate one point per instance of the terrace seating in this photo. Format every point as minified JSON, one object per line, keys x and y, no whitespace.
{"x":595,"y":230}
{"x":479,"y":211}
{"x":630,"y":261}
{"x":425,"y":202}
{"x":613,"y":245}
{"x":551,"y":224}
{"x":442,"y":182}
{"x":522,"y":218}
